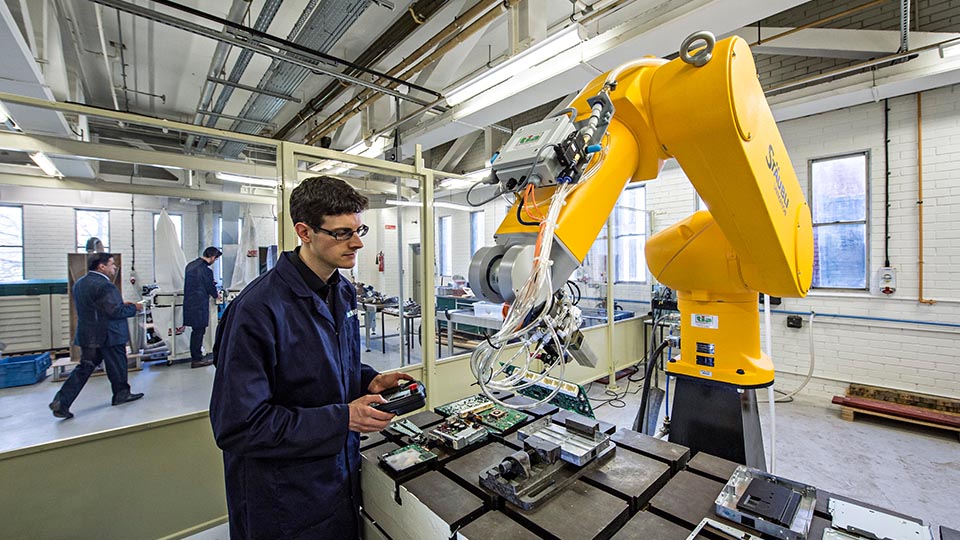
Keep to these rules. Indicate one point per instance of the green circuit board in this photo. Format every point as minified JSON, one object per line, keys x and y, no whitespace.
{"x":571,"y":397}
{"x":500,"y":420}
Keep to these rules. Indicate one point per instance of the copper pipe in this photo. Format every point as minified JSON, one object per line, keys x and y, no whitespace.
{"x":921,"y":299}
{"x":818,"y":22}
{"x":417,"y":57}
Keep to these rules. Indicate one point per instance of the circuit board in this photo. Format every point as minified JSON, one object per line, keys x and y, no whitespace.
{"x":458,"y":433}
{"x":407,"y":457}
{"x":498,"y":420}
{"x":470,"y":404}
{"x":571,"y":397}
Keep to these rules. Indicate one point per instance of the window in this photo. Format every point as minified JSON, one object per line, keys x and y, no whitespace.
{"x":445,"y":235}
{"x":476,"y":231}
{"x":629,"y":236}
{"x":11,"y":243}
{"x":838,"y":194}
{"x":700,"y":205}
{"x":92,"y":223}
{"x":177,"y":225}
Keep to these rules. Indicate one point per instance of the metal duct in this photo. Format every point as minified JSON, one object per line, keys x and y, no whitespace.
{"x":237,"y":10}
{"x":322,"y":29}
{"x":264,"y":19}
{"x":418,"y":13}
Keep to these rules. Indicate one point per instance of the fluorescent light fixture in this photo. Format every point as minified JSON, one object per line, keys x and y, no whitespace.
{"x":436,"y":204}
{"x":5,"y":118}
{"x":537,"y":53}
{"x":252,"y":180}
{"x":45,"y":164}
{"x":950,"y":48}
{"x":360,"y":148}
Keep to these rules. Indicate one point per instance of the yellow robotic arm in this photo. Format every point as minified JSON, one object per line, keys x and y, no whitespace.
{"x":707,"y":110}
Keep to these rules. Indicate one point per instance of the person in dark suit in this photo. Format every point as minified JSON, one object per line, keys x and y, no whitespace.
{"x":290,"y":395}
{"x":102,"y":334}
{"x":198,"y":285}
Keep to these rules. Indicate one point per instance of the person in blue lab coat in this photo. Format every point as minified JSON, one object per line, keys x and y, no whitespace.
{"x":290,"y":396}
{"x":101,"y":334}
{"x":198,"y":286}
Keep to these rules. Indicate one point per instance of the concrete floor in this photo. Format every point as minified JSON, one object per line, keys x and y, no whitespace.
{"x":911,"y":469}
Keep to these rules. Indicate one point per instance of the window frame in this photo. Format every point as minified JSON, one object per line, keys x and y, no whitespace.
{"x":444,"y":246}
{"x":618,"y":235}
{"x":865,"y":221}
{"x":475,"y":242}
{"x":82,"y":248}
{"x":23,"y":269}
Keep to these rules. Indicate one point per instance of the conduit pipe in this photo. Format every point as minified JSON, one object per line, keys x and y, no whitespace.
{"x":920,"y":297}
{"x":106,"y":57}
{"x":817,"y":22}
{"x":217,"y":62}
{"x":352,"y":107}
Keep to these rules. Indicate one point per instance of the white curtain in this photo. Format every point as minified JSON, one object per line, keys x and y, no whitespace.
{"x":169,"y":261}
{"x":247,"y":264}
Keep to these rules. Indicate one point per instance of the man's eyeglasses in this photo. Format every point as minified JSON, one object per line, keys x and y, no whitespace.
{"x":343,"y":234}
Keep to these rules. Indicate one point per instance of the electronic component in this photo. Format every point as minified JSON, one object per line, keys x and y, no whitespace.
{"x":458,"y":433}
{"x":408,"y":396}
{"x":571,"y":397}
{"x":406,"y":458}
{"x":770,"y":504}
{"x":475,"y":403}
{"x":479,"y":409}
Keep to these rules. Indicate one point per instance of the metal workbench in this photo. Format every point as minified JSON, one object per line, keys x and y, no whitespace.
{"x":650,"y":489}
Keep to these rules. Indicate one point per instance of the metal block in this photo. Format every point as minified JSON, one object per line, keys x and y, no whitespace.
{"x":688,"y":498}
{"x":466,"y":469}
{"x":672,"y":454}
{"x":946,"y":533}
{"x":561,"y":418}
{"x":713,"y":467}
{"x":580,"y":512}
{"x":650,"y":527}
{"x":631,"y":477}
{"x":539,"y":411}
{"x":425,"y":419}
{"x":451,"y":503}
{"x":495,"y":524}
{"x":369,"y":440}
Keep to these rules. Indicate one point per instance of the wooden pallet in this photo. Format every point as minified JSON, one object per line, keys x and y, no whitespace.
{"x":852,"y":406}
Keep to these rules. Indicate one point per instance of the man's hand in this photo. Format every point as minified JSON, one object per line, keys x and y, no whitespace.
{"x":366,"y":419}
{"x":385,"y":381}
{"x":137,"y":305}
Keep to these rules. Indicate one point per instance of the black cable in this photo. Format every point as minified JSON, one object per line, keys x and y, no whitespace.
{"x":520,"y":217}
{"x":496,"y":194}
{"x":651,"y":364}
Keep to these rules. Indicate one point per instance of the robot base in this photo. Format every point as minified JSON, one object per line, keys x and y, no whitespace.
{"x":718,"y":419}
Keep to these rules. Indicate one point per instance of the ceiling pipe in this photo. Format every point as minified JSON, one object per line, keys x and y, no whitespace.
{"x":264,"y":19}
{"x":920,"y":297}
{"x":458,"y":33}
{"x":267,"y":45}
{"x":106,"y":57}
{"x":219,"y":59}
{"x":818,"y":22}
{"x":417,"y":14}
{"x":460,"y":26}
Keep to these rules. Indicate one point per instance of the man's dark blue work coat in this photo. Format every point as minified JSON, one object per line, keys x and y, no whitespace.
{"x":101,"y":313}
{"x":286,"y":369}
{"x":198,"y":286}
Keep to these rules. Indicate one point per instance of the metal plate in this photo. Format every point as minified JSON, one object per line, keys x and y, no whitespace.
{"x":562,"y":415}
{"x":650,"y":527}
{"x":467,"y":468}
{"x":670,"y":453}
{"x":875,"y":524}
{"x":631,"y":477}
{"x":687,"y":497}
{"x":794,"y":527}
{"x":450,"y":502}
{"x":713,"y":467}
{"x":579,"y":512}
{"x":495,"y":525}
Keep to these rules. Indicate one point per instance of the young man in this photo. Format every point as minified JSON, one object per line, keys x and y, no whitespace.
{"x":198,"y":286}
{"x":290,"y":396}
{"x":102,"y":334}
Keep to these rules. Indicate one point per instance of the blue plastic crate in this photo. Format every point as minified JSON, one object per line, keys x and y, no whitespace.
{"x":23,"y":370}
